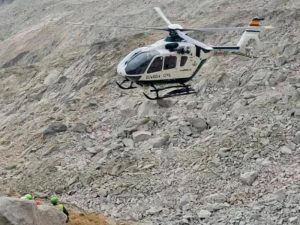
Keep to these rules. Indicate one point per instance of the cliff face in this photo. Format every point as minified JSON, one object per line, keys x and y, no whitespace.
{"x":228,"y":155}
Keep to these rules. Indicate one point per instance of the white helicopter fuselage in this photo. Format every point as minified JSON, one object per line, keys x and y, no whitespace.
{"x":171,"y":62}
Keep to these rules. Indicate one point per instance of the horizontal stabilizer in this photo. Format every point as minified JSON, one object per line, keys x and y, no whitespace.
{"x":236,"y":48}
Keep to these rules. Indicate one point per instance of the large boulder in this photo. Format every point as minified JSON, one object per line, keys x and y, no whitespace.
{"x":147,"y":109}
{"x":23,"y":212}
{"x":142,"y":135}
{"x":49,"y":215}
{"x":55,"y":127}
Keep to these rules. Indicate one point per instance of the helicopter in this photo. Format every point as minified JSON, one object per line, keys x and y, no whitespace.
{"x":169,"y":64}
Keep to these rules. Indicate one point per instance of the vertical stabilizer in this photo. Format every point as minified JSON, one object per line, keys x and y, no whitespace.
{"x":250,"y":35}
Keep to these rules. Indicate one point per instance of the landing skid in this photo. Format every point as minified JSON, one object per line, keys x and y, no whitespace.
{"x":125,"y":81}
{"x":180,"y":90}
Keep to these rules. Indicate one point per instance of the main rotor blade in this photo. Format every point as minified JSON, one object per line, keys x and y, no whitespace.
{"x":114,"y":26}
{"x":162,"y":15}
{"x":224,"y":29}
{"x":193,"y":41}
{"x":204,"y":29}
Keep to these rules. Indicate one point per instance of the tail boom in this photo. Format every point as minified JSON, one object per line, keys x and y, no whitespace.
{"x":251,"y":34}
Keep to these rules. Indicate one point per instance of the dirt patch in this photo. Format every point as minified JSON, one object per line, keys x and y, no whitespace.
{"x":79,"y":218}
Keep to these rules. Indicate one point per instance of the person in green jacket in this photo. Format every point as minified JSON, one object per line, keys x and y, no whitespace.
{"x":55,"y":201}
{"x":27,"y":197}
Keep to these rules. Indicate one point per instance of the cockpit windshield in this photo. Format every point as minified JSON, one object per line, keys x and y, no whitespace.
{"x":139,"y":62}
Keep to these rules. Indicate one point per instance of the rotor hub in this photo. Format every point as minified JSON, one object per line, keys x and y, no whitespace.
{"x":175,"y":27}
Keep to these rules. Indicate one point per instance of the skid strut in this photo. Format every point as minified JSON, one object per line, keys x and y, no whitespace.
{"x":126,"y":81}
{"x":181,"y":89}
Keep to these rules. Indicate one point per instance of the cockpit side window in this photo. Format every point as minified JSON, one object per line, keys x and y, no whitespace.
{"x":139,"y":62}
{"x":183,"y":60}
{"x":170,"y":62}
{"x":156,"y":65}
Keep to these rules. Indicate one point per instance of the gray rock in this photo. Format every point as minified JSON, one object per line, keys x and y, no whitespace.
{"x":146,"y":109}
{"x":203,"y":214}
{"x":38,"y":194}
{"x":281,"y":60}
{"x":128,"y":142}
{"x":154,"y":210}
{"x":293,"y":220}
{"x":176,"y":118}
{"x":127,"y":106}
{"x":113,"y":146}
{"x":79,"y":128}
{"x":215,"y":206}
{"x":92,"y":150}
{"x":295,"y":112}
{"x":214,"y":198}
{"x":297,"y":137}
{"x":191,"y":105}
{"x":22,"y":212}
{"x":51,"y":150}
{"x":92,"y":104}
{"x":159,"y":142}
{"x":293,"y":79}
{"x":264,"y":141}
{"x":71,"y":181}
{"x":198,"y":123}
{"x":290,"y":50}
{"x":116,"y":170}
{"x":259,"y":77}
{"x":166,"y":103}
{"x":278,"y":196}
{"x":292,"y":146}
{"x":52,"y":77}
{"x":11,"y":167}
{"x":50,"y":216}
{"x":263,"y":162}
{"x":201,"y":86}
{"x":277,"y":78}
{"x":249,"y":177}
{"x":187,"y":218}
{"x":248,"y":154}
{"x":185,"y":199}
{"x":139,"y":136}
{"x":296,"y":96}
{"x":223,"y":152}
{"x":55,"y":127}
{"x":239,"y":106}
{"x":186,"y":130}
{"x":213,"y":106}
{"x":285,"y":150}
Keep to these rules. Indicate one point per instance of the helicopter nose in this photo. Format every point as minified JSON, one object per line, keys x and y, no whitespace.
{"x":121,"y":70}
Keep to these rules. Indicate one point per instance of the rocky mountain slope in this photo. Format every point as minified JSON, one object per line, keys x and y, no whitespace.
{"x":228,"y":155}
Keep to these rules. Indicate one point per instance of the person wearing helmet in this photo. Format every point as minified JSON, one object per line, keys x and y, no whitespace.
{"x":27,"y":197}
{"x":55,"y":201}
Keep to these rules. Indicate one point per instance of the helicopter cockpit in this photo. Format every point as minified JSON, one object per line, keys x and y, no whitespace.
{"x":139,"y":62}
